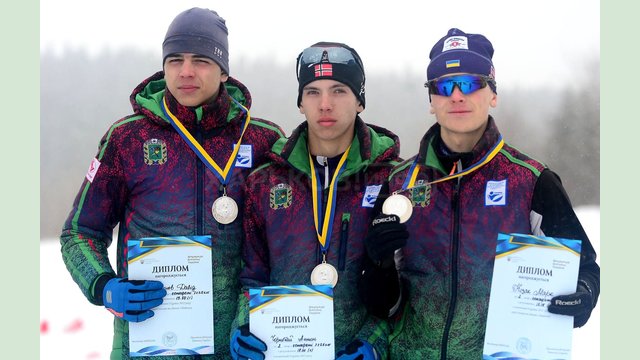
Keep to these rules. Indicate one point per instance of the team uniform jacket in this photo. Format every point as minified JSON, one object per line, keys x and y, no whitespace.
{"x":147,"y":179}
{"x":281,"y":246}
{"x":447,"y":264}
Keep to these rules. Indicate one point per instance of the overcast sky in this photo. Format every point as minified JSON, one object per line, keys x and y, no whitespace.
{"x":536,"y":43}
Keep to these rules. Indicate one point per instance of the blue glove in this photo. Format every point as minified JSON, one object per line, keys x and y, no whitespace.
{"x":357,"y":350}
{"x":245,"y":345}
{"x":132,"y":300}
{"x":578,"y":304}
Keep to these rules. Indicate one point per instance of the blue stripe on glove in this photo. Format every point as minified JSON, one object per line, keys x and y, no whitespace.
{"x":245,"y":345}
{"x":357,"y":350}
{"x":132,"y":300}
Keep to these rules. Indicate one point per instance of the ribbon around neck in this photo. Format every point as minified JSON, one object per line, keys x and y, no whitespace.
{"x":410,"y":180}
{"x":223,"y":175}
{"x":324,"y":233}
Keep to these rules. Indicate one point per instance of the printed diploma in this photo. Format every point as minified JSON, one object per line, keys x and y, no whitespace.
{"x":296,"y":322}
{"x":183,"y":324}
{"x":528,"y":271}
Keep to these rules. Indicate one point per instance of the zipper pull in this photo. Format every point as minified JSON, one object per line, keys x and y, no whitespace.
{"x":322,"y":160}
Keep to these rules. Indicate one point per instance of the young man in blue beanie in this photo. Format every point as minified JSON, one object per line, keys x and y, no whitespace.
{"x":464,"y":187}
{"x":175,"y":167}
{"x":328,"y":174}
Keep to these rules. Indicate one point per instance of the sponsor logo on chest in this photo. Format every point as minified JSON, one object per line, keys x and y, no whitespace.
{"x":495,"y":193}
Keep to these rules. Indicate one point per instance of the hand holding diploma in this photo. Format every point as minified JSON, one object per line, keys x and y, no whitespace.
{"x":132,"y":300}
{"x":579,"y":304}
{"x":245,"y":345}
{"x":529,"y":271}
{"x":294,"y":321}
{"x":183,"y":323}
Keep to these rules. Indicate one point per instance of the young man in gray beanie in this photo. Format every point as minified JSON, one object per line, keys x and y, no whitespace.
{"x":307,"y":212}
{"x":464,"y":187}
{"x":174,"y":168}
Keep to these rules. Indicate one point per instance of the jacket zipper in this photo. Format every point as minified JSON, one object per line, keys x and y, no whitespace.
{"x":322,"y":160}
{"x":455,"y":240}
{"x":325,"y":163}
{"x":344,"y":237}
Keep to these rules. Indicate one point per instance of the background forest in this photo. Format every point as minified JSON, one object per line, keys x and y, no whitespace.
{"x":82,"y":95}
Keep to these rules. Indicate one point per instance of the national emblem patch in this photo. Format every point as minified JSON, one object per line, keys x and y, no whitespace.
{"x":421,"y":195}
{"x":280,"y":196}
{"x":155,"y":152}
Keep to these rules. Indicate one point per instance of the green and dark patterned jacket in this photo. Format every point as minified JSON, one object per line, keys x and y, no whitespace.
{"x":447,"y":264}
{"x":281,"y":245}
{"x":146,"y":179}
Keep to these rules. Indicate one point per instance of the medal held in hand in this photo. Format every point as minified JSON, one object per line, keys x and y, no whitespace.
{"x":398,"y":205}
{"x":224,"y":210}
{"x":324,"y":274}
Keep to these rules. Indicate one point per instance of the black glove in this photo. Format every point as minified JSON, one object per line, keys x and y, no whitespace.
{"x":578,"y":304}
{"x":385,"y":236}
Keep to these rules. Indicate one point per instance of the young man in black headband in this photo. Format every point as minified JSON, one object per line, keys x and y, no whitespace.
{"x":333,"y":164}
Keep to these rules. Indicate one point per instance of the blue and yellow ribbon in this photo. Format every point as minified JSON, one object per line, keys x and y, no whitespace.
{"x":223,"y":174}
{"x":410,"y":180}
{"x":324,"y":233}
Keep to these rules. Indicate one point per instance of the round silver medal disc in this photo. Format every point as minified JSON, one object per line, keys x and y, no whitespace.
{"x":399,"y":205}
{"x":224,"y":210}
{"x":324,"y":274}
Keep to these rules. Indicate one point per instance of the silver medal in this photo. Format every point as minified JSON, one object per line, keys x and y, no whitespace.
{"x":224,"y":210}
{"x":399,"y":205}
{"x":324,"y":274}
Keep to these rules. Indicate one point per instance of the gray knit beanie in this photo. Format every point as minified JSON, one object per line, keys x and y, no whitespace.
{"x":198,"y":31}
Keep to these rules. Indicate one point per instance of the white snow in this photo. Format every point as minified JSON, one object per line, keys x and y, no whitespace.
{"x":71,"y":328}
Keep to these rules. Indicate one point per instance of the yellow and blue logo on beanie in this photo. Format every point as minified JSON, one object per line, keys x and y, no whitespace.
{"x":452,"y":63}
{"x":459,"y":52}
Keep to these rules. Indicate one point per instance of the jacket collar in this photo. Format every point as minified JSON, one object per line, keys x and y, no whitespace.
{"x":146,"y":99}
{"x":434,"y":153}
{"x":371,"y":144}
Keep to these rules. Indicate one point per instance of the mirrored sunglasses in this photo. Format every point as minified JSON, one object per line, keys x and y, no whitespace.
{"x":467,"y":83}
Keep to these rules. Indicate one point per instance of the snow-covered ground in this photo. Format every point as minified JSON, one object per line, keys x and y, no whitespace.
{"x":71,"y":328}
